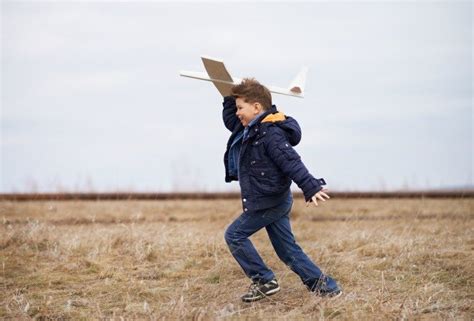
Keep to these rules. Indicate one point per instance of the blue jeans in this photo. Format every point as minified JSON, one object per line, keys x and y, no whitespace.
{"x":276,"y":221}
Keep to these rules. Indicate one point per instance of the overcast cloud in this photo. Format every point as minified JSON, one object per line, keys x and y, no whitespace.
{"x":92,"y":99}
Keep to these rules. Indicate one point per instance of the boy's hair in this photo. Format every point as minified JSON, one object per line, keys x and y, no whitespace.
{"x":251,"y":91}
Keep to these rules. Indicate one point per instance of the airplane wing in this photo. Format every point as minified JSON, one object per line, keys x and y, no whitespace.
{"x":217,"y":71}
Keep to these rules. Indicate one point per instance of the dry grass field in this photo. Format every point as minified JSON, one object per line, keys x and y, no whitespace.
{"x":395,"y":259}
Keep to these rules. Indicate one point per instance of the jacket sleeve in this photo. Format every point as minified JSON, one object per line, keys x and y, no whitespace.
{"x":289,"y":162}
{"x":228,"y":113}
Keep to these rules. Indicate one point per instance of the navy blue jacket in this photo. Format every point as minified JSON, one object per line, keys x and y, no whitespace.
{"x":268,"y":162}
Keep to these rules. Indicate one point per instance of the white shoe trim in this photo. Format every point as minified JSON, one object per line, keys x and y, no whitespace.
{"x":275,"y":290}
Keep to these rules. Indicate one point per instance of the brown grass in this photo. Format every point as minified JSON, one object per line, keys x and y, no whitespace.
{"x":395,"y":259}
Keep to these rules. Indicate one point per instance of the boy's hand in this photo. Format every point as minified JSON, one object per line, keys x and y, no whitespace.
{"x":321,"y":195}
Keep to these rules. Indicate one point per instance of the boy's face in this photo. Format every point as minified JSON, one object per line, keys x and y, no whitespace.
{"x":247,"y":111}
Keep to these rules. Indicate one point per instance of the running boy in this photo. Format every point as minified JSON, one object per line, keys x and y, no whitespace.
{"x":261,"y":157}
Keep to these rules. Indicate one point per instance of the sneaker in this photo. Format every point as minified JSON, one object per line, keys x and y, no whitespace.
{"x":259,"y":291}
{"x":326,"y":287}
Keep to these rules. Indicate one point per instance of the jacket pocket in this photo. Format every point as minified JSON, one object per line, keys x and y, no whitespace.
{"x":267,"y":181}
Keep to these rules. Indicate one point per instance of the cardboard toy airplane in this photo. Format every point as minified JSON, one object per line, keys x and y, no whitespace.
{"x":220,"y":77}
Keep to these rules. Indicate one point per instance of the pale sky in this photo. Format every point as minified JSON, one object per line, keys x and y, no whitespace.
{"x":92,"y":99}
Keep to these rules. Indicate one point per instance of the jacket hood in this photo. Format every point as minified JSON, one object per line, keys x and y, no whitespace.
{"x":288,"y":124}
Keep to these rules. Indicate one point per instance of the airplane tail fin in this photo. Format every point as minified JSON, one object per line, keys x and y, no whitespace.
{"x":297,"y":85}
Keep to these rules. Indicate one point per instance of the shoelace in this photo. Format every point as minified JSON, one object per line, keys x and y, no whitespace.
{"x":253,"y":288}
{"x":320,"y":285}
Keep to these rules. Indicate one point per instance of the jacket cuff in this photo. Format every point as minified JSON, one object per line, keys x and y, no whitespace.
{"x":317,"y":186}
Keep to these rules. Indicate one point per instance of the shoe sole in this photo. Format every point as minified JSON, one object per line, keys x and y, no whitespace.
{"x":330,"y":295}
{"x":336,"y":295}
{"x":271,"y":292}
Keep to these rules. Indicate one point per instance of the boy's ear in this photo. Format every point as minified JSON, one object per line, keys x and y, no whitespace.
{"x":258,"y":107}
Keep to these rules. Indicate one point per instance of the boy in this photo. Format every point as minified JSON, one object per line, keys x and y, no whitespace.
{"x":261,"y":157}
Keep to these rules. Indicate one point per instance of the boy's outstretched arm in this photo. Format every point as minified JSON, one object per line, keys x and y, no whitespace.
{"x":228,"y":113}
{"x":288,"y":160}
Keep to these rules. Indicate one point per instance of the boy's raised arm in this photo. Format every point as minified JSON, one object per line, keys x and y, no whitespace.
{"x":228,"y":113}
{"x":288,"y":160}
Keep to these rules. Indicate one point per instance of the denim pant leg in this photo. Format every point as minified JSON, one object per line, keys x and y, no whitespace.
{"x":290,"y":253}
{"x":237,"y":237}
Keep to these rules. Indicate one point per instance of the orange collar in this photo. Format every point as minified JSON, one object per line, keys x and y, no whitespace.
{"x":271,"y":118}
